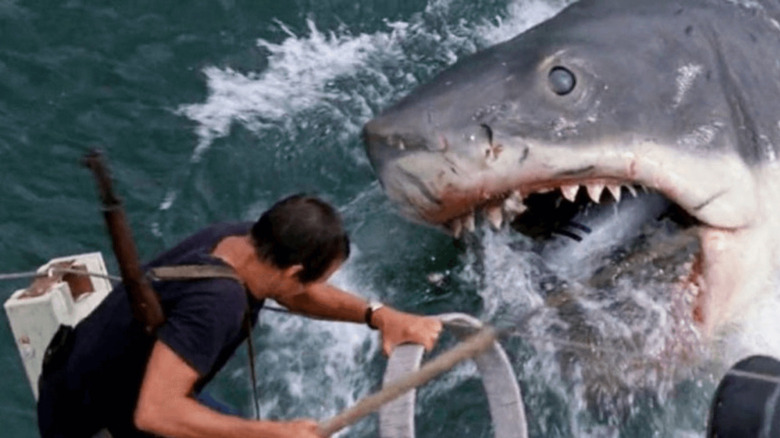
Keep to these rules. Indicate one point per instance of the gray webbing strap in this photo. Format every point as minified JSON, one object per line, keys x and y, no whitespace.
{"x":201,"y":272}
{"x":191,"y":272}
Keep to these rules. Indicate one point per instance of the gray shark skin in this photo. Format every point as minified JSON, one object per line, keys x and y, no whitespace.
{"x":679,"y":96}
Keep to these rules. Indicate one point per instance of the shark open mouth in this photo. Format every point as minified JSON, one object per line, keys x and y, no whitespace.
{"x":600,"y":232}
{"x":603,"y":258}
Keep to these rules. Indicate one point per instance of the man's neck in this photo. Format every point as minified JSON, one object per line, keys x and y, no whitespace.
{"x":240,"y":254}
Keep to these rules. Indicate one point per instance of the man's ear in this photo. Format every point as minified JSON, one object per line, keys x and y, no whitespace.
{"x":292,"y":271}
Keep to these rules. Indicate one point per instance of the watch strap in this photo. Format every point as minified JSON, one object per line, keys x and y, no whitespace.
{"x":373,"y":306}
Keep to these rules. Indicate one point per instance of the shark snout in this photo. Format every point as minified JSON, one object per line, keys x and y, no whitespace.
{"x":394,"y":137}
{"x":386,"y":139}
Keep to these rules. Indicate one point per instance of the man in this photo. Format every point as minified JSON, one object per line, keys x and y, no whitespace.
{"x":118,"y":378}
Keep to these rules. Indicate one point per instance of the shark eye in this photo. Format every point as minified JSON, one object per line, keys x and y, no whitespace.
{"x":562,"y":81}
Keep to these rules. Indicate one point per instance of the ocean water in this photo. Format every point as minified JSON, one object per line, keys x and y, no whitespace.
{"x":211,"y":111}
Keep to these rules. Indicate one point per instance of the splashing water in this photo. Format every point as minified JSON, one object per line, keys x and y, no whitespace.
{"x":604,"y":357}
{"x":300,"y":76}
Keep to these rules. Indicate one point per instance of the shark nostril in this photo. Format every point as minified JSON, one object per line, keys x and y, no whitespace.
{"x":488,"y":131}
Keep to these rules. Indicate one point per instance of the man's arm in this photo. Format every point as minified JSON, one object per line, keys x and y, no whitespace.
{"x":322,"y":300}
{"x":166,"y":408}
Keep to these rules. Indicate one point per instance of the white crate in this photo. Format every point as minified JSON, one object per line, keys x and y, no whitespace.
{"x":34,"y":320}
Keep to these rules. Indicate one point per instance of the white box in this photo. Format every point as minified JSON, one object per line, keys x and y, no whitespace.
{"x":35,"y":319}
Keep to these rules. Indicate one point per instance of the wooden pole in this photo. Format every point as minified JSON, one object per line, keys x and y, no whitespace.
{"x":144,"y":300}
{"x":471,"y":347}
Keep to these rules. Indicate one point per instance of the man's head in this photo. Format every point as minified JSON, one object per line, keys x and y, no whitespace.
{"x":301,"y":230}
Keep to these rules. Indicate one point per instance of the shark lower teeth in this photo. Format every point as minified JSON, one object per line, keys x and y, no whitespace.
{"x":513,"y":204}
{"x":468,"y":222}
{"x":456,"y":227}
{"x":495,"y":216}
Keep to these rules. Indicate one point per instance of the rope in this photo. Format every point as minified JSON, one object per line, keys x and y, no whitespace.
{"x":87,"y":273}
{"x":18,"y":275}
{"x":251,"y":353}
{"x":52,"y":271}
{"x":114,"y":278}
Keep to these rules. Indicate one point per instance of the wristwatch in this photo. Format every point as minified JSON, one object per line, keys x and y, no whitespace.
{"x":373,"y":306}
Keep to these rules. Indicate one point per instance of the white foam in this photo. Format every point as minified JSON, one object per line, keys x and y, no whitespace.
{"x":299,"y":76}
{"x":511,"y":280}
{"x":521,"y":16}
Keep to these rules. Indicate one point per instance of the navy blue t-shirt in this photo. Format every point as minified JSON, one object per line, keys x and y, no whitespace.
{"x":98,"y":386}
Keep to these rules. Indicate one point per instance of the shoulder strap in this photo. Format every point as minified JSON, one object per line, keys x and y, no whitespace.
{"x":191,"y":272}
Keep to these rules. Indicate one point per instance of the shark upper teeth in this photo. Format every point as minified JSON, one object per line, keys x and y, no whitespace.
{"x":513,"y":205}
{"x":495,"y":216}
{"x":615,"y":191}
{"x":570,"y":192}
{"x":595,"y":190}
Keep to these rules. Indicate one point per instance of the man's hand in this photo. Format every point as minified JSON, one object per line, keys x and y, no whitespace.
{"x":400,"y":327}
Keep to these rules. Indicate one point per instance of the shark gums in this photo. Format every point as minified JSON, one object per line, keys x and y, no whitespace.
{"x":609,"y":102}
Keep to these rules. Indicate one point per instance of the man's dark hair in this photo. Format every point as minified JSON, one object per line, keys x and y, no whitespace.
{"x":304,"y":230}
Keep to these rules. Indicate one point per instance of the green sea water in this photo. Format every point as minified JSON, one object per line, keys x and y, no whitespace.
{"x":211,"y":111}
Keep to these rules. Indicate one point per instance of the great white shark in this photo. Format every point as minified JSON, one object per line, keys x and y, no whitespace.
{"x":607,"y":98}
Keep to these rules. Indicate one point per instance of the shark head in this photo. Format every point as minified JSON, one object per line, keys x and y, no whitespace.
{"x":609,"y":97}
